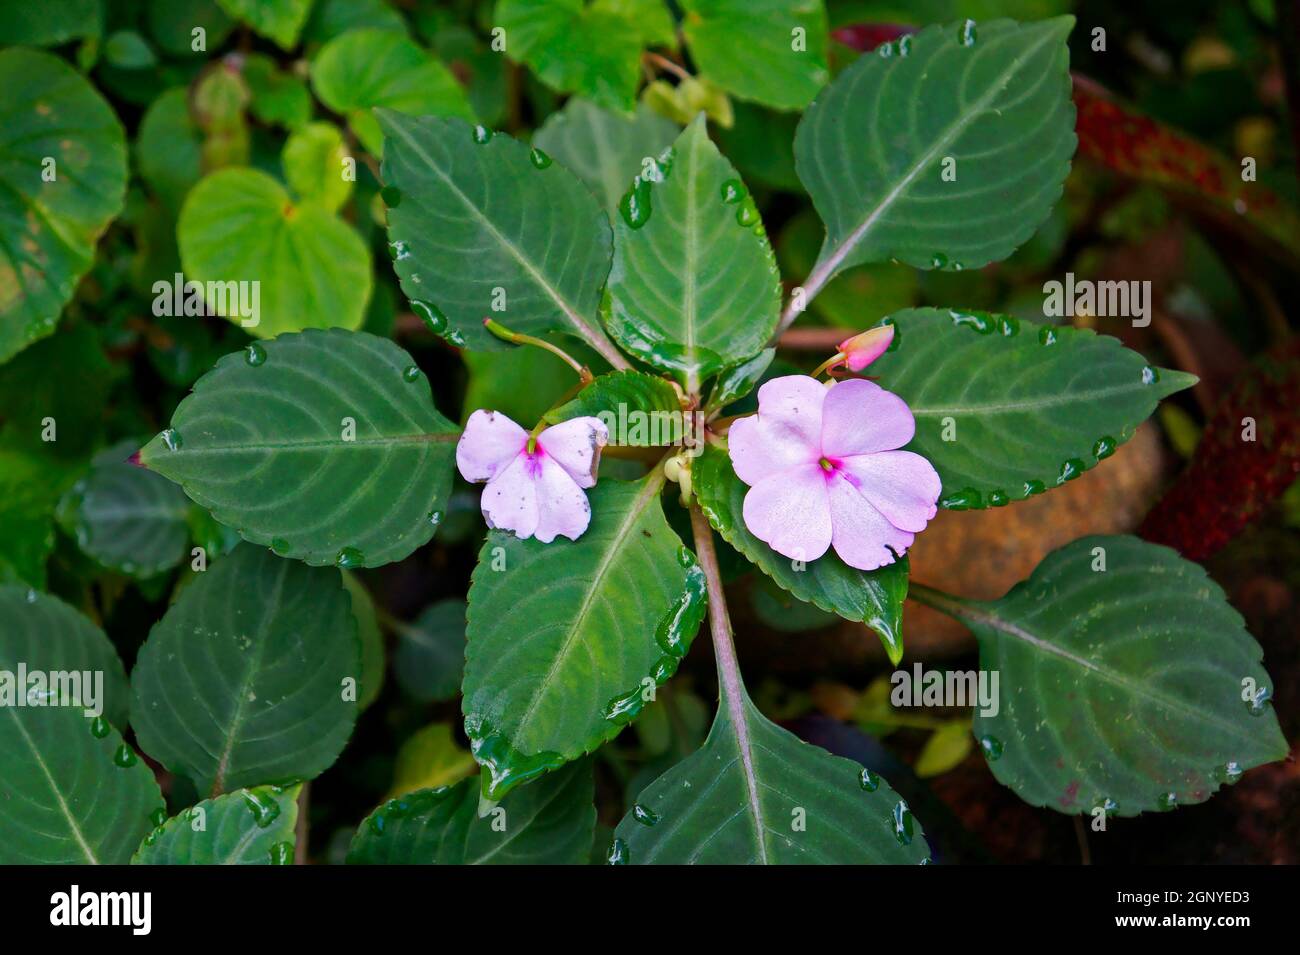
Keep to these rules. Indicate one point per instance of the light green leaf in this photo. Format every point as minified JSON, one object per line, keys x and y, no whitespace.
{"x":945,"y":750}
{"x":770,"y":51}
{"x":45,"y":634}
{"x":592,"y":49}
{"x":694,"y":286}
{"x":1148,"y":692}
{"x":279,"y":20}
{"x":362,"y":69}
{"x":71,"y":792}
{"x":603,"y":148}
{"x":430,"y":758}
{"x":247,"y":827}
{"x":430,"y":655}
{"x":958,"y":182}
{"x":551,"y":822}
{"x":285,"y":474}
{"x":1005,"y":409}
{"x":471,"y":212}
{"x":872,"y":597}
{"x":312,"y":269}
{"x":757,"y":794}
{"x":126,"y":518}
{"x":314,"y":164}
{"x":243,"y":681}
{"x":62,"y":181}
{"x":639,"y":409}
{"x":565,"y":642}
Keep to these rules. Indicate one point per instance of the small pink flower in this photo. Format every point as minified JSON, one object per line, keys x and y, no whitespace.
{"x":538,"y":492}
{"x":861,"y":350}
{"x":823,"y":471}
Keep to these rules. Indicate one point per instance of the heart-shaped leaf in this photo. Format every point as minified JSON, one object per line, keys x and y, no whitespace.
{"x":872,"y":597}
{"x":314,"y":159}
{"x":361,"y":69}
{"x":945,"y":149}
{"x":245,"y":680}
{"x":568,"y":640}
{"x":71,"y":791}
{"x":279,"y":20}
{"x":62,"y":180}
{"x":1146,"y":690}
{"x":770,"y":51}
{"x":757,"y":794}
{"x":247,"y":827}
{"x":347,"y":463}
{"x":267,"y":264}
{"x":1005,"y":409}
{"x":639,"y":409}
{"x":479,"y":224}
{"x":605,"y":149}
{"x":551,"y":822}
{"x":694,"y":286}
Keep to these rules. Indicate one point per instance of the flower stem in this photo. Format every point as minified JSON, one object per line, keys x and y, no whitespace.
{"x":946,"y":603}
{"x":731,"y":689}
{"x":666,"y":64}
{"x":828,"y":364}
{"x":518,"y":338}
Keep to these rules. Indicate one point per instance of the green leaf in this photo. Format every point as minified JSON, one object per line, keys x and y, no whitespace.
{"x":570,"y":638}
{"x":48,"y":229}
{"x":874,"y":158}
{"x":739,"y":380}
{"x":128,"y":50}
{"x":1005,"y":409}
{"x":757,"y":794}
{"x":51,"y":23}
{"x":362,"y":69}
{"x":430,"y":656}
{"x":70,"y":790}
{"x":603,"y":148}
{"x":770,"y":51}
{"x":430,"y":758}
{"x":549,"y":823}
{"x":694,"y":285}
{"x":279,"y":20}
{"x":169,"y":148}
{"x":372,"y":641}
{"x":243,"y":681}
{"x":591,"y":49}
{"x":313,"y":270}
{"x":30,"y":485}
{"x":1140,"y":674}
{"x":329,"y":18}
{"x":470,"y":212}
{"x":125,"y":517}
{"x":46,"y":635}
{"x":247,"y":827}
{"x":945,"y":750}
{"x":284,"y":474}
{"x":314,"y":163}
{"x":279,"y":97}
{"x":172,"y":22}
{"x":639,"y":409}
{"x":872,"y":597}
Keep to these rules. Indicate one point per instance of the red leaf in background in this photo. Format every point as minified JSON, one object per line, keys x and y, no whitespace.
{"x":1230,"y":482}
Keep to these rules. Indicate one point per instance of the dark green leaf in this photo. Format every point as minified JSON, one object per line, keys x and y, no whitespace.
{"x":246,"y":827}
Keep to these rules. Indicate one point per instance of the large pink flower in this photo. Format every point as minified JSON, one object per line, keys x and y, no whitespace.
{"x":824,"y":471}
{"x":539,"y":492}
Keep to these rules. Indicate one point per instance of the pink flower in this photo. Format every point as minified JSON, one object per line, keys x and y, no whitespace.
{"x":823,"y":471}
{"x":861,"y":350}
{"x":538,"y":492}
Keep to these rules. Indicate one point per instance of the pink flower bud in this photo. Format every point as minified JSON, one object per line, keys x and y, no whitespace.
{"x":861,"y":350}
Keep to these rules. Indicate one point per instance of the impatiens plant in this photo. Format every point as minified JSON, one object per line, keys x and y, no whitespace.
{"x":642,"y":431}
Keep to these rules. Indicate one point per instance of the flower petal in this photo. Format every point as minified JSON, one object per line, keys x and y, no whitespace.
{"x":788,"y":511}
{"x":860,"y":417}
{"x":509,"y":501}
{"x":862,"y":535}
{"x":575,"y":445}
{"x":785,"y":432}
{"x":488,"y":445}
{"x":901,"y":485}
{"x":561,"y":503}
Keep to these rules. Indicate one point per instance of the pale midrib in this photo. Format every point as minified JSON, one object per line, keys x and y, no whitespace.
{"x":593,"y":335}
{"x":1110,"y":676}
{"x":331,"y":444}
{"x":649,"y":493}
{"x":1031,"y":403}
{"x":58,"y":796}
{"x":689,"y":303}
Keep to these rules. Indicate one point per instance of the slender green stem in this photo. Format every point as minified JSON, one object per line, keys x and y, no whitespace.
{"x":828,"y":364}
{"x":518,"y":338}
{"x":943,"y":602}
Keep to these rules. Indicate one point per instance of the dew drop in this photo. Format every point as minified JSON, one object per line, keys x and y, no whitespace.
{"x":255,"y":354}
{"x":1257,"y":705}
{"x":992,"y":747}
{"x":349,"y":558}
{"x":634,"y":207}
{"x":904,"y":45}
{"x":411,"y":373}
{"x":1070,"y":470}
{"x":391,"y":195}
{"x":733,"y":190}
{"x":998,"y":498}
{"x":431,"y":315}
{"x":885,"y":50}
{"x":1104,"y":447}
{"x":99,"y":727}
{"x":265,"y":809}
{"x":938,"y":261}
{"x":965,"y":499}
{"x":398,"y":250}
{"x":902,"y":823}
{"x":1150,"y":375}
{"x":539,"y":158}
{"x":1167,"y":801}
{"x":282,"y":853}
{"x":645,"y":816}
{"x":617,"y":854}
{"x":434,"y":518}
{"x":158,"y":816}
{"x":1034,"y":487}
{"x":868,"y":780}
{"x":1230,"y":772}
{"x":1047,"y":335}
{"x":482,"y":135}
{"x":747,"y":215}
{"x":966,"y":34}
{"x":1109,"y":806}
{"x":280,"y":545}
{"x":125,"y":756}
{"x":172,"y":439}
